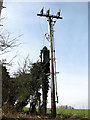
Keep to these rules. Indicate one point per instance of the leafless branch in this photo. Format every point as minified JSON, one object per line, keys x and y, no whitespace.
{"x":6,"y":44}
{"x":23,"y":67}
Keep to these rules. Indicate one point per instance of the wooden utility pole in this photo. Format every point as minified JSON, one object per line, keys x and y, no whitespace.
{"x":1,"y":3}
{"x":1,"y":7}
{"x":50,"y":21}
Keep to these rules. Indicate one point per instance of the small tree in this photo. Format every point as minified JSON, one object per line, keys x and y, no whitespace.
{"x":36,"y":72}
{"x":8,"y":92}
{"x":44,"y":55}
{"x":28,"y":84}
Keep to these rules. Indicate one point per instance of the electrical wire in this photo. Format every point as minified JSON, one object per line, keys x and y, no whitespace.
{"x":55,"y":65}
{"x":42,"y":32}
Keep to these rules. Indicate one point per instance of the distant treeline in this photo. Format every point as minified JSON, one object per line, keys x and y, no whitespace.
{"x":65,"y":107}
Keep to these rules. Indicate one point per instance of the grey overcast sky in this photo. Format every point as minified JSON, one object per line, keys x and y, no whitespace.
{"x":71,"y":42}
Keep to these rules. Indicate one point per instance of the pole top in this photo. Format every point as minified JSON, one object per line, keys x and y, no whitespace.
{"x":51,"y":16}
{"x":42,"y":14}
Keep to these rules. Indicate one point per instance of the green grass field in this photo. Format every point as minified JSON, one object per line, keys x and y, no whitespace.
{"x":68,"y":112}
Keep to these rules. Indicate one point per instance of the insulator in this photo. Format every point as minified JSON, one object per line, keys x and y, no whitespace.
{"x":58,"y":14}
{"x":41,"y":12}
{"x":48,"y":11}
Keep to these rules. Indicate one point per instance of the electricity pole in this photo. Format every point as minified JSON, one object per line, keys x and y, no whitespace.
{"x":1,"y":7}
{"x":50,"y":21}
{"x":1,"y":3}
